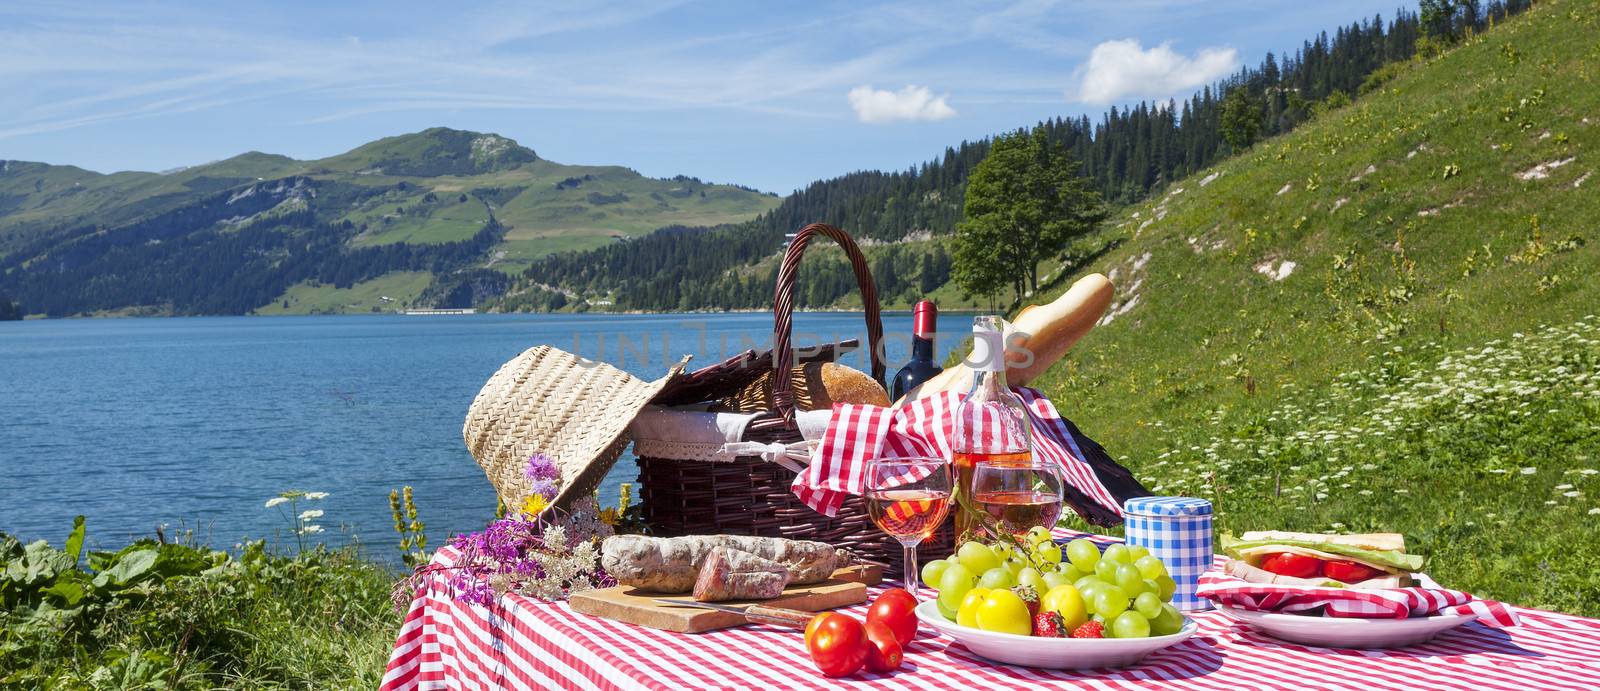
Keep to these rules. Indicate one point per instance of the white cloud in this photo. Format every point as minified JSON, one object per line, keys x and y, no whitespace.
{"x":1121,"y":69}
{"x":911,"y":103}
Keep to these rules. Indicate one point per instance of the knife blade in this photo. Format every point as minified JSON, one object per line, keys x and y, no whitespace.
{"x":760,"y":614}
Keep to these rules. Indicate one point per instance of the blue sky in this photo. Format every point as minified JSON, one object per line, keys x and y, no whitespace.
{"x":772,"y":95}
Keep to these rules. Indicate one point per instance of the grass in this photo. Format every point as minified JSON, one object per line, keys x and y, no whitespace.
{"x":1416,"y":232}
{"x":304,"y":298}
{"x":187,"y":617}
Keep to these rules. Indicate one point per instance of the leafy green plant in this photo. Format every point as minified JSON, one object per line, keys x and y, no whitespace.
{"x":412,"y":531}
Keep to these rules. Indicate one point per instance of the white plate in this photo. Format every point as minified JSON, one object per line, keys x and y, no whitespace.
{"x":1338,"y":632}
{"x":1054,"y":653}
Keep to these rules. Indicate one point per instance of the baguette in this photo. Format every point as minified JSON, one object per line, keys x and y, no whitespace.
{"x":1041,"y":335}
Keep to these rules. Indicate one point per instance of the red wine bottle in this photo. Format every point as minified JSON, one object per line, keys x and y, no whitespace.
{"x":925,"y":324}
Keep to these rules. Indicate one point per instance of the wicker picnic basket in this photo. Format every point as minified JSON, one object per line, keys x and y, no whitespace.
{"x":751,"y":495}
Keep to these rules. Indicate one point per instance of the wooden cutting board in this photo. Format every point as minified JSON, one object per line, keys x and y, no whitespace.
{"x":631,"y":605}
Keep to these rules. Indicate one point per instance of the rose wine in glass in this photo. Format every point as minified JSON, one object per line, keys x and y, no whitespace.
{"x":1015,"y":497}
{"x":991,"y":424}
{"x":908,"y":498}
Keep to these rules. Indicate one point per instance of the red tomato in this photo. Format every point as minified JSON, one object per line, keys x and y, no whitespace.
{"x":811,"y":627}
{"x":897,"y":610}
{"x":1348,"y":571}
{"x":1289,"y":564}
{"x":838,"y":644}
{"x":883,"y":649}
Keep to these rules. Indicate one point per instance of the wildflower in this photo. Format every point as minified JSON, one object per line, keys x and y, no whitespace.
{"x":316,"y":495}
{"x":1594,"y":511}
{"x":545,"y":477}
{"x":1563,"y":487}
{"x":542,"y":467}
{"x":1552,"y":502}
{"x":1337,"y":526}
{"x":1572,"y":495}
{"x":534,"y":504}
{"x":276,"y":501}
{"x":1365,"y":493}
{"x":609,"y":516}
{"x":1529,"y":470}
{"x":309,"y":514}
{"x":311,"y":529}
{"x":1402,"y":490}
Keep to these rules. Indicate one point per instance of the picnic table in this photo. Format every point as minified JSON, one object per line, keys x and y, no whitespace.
{"x":522,"y":643}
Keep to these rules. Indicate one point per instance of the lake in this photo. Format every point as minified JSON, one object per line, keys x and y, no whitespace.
{"x":193,"y":423}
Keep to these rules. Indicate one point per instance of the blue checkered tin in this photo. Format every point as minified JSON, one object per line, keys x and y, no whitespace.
{"x":1178,"y":531}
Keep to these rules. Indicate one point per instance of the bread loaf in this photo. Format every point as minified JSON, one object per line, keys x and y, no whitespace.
{"x":1038,"y":338}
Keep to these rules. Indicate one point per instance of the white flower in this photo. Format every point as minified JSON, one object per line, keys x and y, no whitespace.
{"x":1365,"y":493}
{"x":1529,"y":471}
{"x":309,"y":514}
{"x":310,"y":529}
{"x":1563,"y":486}
{"x":316,"y":495}
{"x":1572,"y":494}
{"x":1594,"y":511}
{"x":1552,"y":502}
{"x":1337,"y":526}
{"x":1402,"y":491}
{"x":276,"y":501}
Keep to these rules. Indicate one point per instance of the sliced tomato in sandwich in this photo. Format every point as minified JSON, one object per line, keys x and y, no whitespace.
{"x":1291,"y":564}
{"x":1348,"y":571}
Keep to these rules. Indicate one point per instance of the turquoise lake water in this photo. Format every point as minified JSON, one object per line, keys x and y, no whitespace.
{"x":193,"y":423}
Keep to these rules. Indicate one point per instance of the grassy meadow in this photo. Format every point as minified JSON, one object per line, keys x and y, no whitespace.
{"x":1381,"y":321}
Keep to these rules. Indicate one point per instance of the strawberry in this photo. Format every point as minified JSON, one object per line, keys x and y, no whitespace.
{"x":1090,"y":629}
{"x":1030,"y":597}
{"x":1049,"y":625}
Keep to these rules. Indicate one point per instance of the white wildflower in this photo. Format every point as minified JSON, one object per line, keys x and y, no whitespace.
{"x":309,"y":514}
{"x":1594,"y":511}
{"x":1572,"y":495}
{"x":1337,"y":526}
{"x":1365,"y":493}
{"x":316,"y":495}
{"x":276,"y":501}
{"x":1529,"y":470}
{"x":1563,"y":486}
{"x":1552,"y":502}
{"x":1402,"y":491}
{"x":311,"y":529}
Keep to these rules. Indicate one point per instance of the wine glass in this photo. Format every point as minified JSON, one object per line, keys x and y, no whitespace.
{"x":1016,"y":496}
{"x":908,"y":499}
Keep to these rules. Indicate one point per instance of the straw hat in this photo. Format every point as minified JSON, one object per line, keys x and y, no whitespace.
{"x":575,"y":411}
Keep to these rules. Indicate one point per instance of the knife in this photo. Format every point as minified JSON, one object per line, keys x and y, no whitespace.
{"x":759,"y":614}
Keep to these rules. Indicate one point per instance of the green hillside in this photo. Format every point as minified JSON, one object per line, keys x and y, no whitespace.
{"x":420,"y":191}
{"x":1341,"y":298}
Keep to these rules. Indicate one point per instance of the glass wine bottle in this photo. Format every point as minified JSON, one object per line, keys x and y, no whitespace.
{"x":921,"y":368}
{"x":991,"y":424}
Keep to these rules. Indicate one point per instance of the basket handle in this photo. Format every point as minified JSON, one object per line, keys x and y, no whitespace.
{"x":783,"y":311}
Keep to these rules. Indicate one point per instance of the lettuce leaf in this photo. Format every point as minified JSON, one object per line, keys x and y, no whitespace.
{"x":1396,"y":560}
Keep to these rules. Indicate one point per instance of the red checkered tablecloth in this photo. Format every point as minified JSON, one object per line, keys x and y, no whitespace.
{"x":522,"y":643}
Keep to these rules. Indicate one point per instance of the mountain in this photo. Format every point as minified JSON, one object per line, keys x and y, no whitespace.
{"x":466,"y":208}
{"x":1383,"y":320}
{"x":1130,"y":153}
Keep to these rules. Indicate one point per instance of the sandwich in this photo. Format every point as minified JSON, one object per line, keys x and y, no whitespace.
{"x":1370,"y":561}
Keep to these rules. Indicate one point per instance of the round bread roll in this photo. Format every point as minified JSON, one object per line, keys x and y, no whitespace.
{"x":816,"y":386}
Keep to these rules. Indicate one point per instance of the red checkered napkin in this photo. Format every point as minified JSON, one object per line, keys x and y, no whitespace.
{"x":1389,"y":603}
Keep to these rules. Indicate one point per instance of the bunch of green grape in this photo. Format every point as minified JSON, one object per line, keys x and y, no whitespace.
{"x":1127,"y":589}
